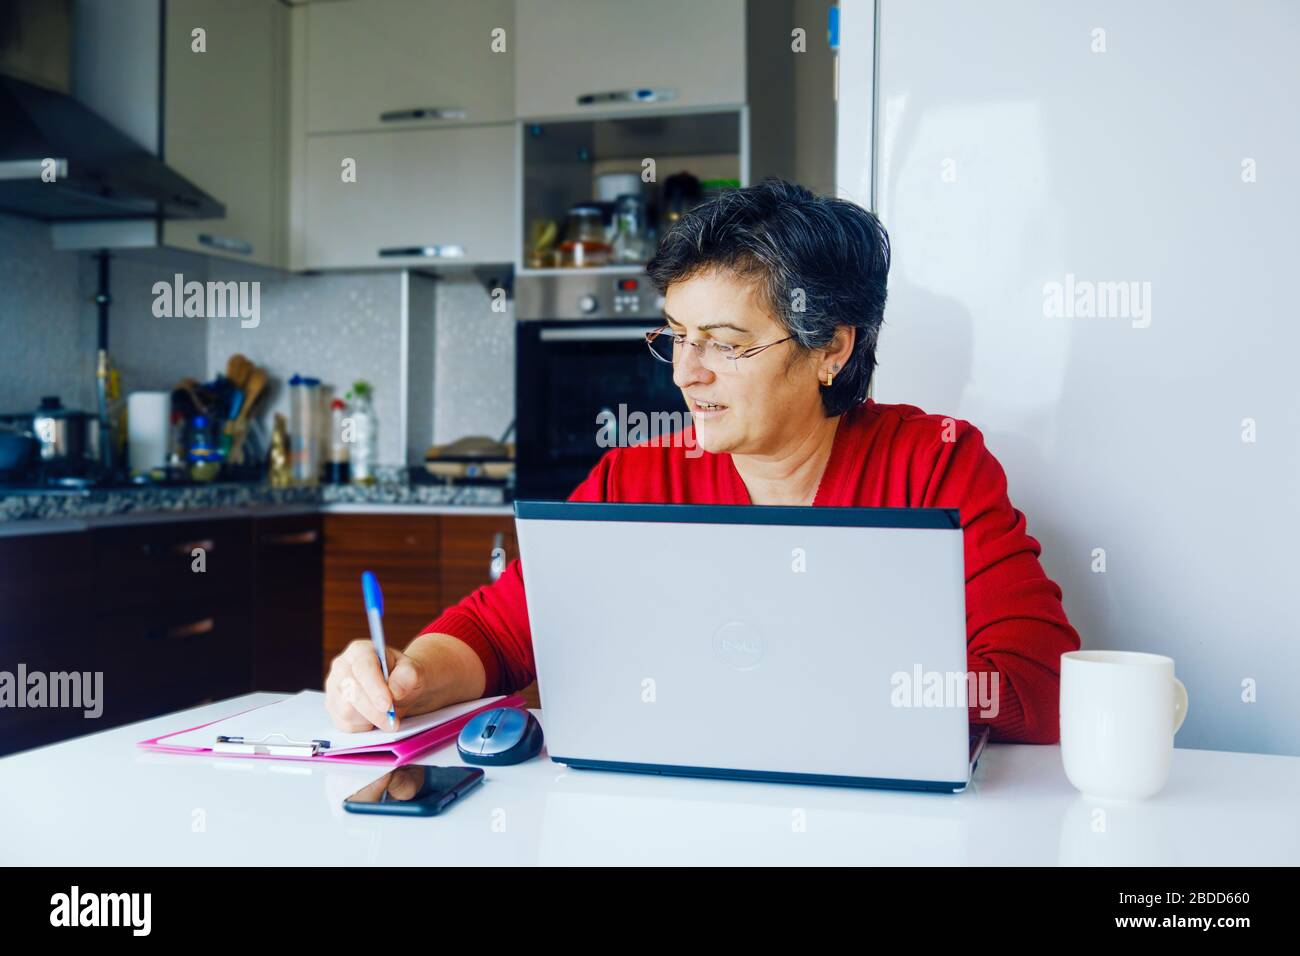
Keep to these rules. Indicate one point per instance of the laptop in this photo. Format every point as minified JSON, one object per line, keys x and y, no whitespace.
{"x":784,"y":644}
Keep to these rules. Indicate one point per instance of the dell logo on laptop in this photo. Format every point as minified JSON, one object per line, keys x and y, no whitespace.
{"x":738,"y":645}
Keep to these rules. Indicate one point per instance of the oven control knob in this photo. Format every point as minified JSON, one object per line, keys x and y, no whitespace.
{"x":587,"y":304}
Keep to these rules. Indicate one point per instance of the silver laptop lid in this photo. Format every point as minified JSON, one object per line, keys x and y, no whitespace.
{"x":765,"y":640}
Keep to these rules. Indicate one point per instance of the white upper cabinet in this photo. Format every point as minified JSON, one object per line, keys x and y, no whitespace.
{"x":223,"y":123}
{"x":420,"y":197}
{"x":386,"y":64}
{"x":574,"y":57}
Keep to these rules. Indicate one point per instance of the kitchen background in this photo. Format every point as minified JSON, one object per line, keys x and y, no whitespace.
{"x":470,"y":360}
{"x":472,"y":272}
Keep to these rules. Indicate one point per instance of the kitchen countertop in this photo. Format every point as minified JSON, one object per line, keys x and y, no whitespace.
{"x":23,"y":513}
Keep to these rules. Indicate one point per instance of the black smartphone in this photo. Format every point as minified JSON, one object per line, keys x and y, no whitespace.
{"x":414,"y":790}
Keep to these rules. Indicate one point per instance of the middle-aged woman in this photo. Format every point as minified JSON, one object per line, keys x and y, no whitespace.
{"x":774,"y":300}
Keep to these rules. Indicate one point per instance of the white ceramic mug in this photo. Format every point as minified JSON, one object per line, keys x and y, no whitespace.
{"x":1119,"y":713}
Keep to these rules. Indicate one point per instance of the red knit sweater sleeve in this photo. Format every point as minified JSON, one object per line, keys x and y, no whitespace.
{"x":493,"y":620}
{"x":1015,"y":624}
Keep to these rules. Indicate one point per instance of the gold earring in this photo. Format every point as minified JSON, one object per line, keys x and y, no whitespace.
{"x":829,"y":378}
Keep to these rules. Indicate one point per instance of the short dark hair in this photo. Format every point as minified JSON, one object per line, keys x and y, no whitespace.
{"x":790,"y":240}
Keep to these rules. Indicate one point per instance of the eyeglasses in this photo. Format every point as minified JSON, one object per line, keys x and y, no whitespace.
{"x":666,"y":345}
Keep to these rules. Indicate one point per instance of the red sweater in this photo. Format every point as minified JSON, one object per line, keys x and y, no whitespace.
{"x":883,"y":456}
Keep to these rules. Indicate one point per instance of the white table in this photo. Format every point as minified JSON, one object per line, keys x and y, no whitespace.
{"x":102,"y":800}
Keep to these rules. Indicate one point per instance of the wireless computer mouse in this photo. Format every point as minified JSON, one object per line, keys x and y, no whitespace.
{"x":500,"y":737}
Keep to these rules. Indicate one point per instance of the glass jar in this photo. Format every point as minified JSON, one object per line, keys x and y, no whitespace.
{"x":629,"y":230}
{"x":584,"y":243}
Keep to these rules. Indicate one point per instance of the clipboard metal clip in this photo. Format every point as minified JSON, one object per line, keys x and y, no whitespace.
{"x":276,"y":745}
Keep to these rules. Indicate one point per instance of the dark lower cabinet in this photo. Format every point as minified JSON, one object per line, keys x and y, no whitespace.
{"x":176,"y":601}
{"x":46,"y":589}
{"x":156,"y":617}
{"x":287,"y":603}
{"x":148,"y":618}
{"x":175,"y":654}
{"x":140,"y":564}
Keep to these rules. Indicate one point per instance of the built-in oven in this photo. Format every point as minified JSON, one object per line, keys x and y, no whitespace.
{"x":582,"y":371}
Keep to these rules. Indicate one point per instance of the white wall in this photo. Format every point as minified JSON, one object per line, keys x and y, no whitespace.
{"x":1121,"y":433}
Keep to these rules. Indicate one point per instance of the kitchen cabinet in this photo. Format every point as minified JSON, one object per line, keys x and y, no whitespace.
{"x":576,"y":57}
{"x":469,"y":547}
{"x":402,"y":551}
{"x":126,"y":606}
{"x":176,"y":613}
{"x":45,"y":581}
{"x":421,"y":197}
{"x":174,"y":654}
{"x":424,"y":563}
{"x":175,"y":604}
{"x":223,"y":124}
{"x":382,"y":64}
{"x":287,"y":600}
{"x":37,"y":48}
{"x":140,"y":564}
{"x":468,"y":544}
{"x":169,"y":613}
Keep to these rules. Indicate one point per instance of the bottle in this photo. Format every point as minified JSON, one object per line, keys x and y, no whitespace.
{"x":205,"y":460}
{"x":304,"y":429}
{"x":628,"y":234}
{"x":336,"y":466}
{"x":280,"y":468}
{"x":365,"y":434}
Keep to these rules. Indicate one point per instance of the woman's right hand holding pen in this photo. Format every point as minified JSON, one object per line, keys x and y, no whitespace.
{"x":356,"y":697}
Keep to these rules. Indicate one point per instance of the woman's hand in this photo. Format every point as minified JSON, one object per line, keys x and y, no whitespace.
{"x":356,"y":697}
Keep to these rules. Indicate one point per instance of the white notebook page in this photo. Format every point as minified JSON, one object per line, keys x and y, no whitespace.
{"x":302,"y":718}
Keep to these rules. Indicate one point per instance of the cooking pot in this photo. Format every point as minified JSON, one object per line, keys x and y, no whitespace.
{"x":66,"y":437}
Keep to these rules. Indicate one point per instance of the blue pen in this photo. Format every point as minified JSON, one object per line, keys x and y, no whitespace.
{"x":375,"y":615}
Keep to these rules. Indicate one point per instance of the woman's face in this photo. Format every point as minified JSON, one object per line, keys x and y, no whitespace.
{"x":767,"y":399}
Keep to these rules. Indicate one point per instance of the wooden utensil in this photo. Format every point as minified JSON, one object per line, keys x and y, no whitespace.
{"x":238,"y":369}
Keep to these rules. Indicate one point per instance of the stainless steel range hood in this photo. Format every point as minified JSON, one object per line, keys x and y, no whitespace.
{"x":92,"y":171}
{"x":80,"y":89}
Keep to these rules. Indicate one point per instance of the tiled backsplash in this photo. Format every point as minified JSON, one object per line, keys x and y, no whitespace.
{"x":44,"y":348}
{"x":474,"y":368}
{"x":459,"y":353}
{"x":338,"y":328}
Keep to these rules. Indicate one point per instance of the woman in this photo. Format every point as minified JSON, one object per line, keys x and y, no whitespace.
{"x":774,"y":300}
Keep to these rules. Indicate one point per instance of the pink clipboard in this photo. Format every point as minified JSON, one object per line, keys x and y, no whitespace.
{"x":393,"y":754}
